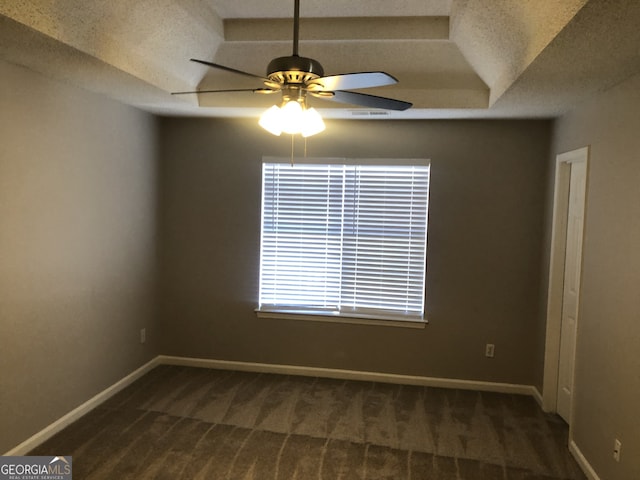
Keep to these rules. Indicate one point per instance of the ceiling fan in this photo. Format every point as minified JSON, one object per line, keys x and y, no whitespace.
{"x":295,"y":77}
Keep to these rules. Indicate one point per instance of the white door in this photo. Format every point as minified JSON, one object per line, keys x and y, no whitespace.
{"x":571,"y":293}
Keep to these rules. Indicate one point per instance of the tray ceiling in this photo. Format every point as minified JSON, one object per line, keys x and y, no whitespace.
{"x":453,"y":58}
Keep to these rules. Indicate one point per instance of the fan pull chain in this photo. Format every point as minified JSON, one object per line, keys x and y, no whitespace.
{"x":292,"y":138}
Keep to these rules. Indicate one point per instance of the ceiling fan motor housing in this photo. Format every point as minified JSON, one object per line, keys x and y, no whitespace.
{"x":294,"y":70}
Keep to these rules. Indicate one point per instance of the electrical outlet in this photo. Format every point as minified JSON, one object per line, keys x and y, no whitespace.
{"x":143,"y":335}
{"x":617,"y":446}
{"x":489,"y":350}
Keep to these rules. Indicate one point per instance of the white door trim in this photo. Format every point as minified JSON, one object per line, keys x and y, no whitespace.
{"x":556,"y":273}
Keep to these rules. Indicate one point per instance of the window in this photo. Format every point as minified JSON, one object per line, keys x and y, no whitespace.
{"x":344,"y":240}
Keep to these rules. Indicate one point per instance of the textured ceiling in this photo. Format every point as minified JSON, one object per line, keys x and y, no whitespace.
{"x":453,"y":58}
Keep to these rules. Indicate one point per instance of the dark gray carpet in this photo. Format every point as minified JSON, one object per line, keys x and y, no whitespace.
{"x":191,"y":423}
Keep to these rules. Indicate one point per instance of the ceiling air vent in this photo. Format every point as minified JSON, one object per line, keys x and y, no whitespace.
{"x":369,"y":113}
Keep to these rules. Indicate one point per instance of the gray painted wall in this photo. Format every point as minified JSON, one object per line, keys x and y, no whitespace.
{"x":77,"y":247}
{"x":485,"y":243}
{"x":607,"y":382}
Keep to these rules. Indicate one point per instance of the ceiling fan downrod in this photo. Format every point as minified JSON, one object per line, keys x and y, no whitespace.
{"x":296,"y":26}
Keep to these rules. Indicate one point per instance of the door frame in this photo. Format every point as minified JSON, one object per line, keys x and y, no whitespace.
{"x":556,"y":272}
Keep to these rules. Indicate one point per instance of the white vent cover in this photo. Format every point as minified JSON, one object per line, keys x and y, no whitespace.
{"x":369,"y":113}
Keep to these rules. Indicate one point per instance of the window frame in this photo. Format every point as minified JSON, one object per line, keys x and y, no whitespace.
{"x":378,"y":318}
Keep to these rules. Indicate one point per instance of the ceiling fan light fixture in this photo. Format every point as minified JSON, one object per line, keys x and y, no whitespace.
{"x":292,"y":118}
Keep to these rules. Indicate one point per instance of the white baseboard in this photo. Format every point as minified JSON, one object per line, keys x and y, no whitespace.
{"x":48,"y":432}
{"x":538,"y":397}
{"x":583,"y":462}
{"x":350,"y":375}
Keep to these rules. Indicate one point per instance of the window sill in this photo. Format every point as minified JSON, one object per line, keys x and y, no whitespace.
{"x":323,"y":316}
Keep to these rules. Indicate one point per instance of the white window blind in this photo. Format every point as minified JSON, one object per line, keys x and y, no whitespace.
{"x":344,"y":239}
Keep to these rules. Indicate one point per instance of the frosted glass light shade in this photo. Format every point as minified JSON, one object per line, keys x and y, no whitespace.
{"x":312,"y":123}
{"x":271,"y":120}
{"x":292,"y":118}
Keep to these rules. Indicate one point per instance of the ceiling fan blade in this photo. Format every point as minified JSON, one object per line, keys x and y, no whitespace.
{"x":254,"y":90}
{"x":228,"y":69}
{"x":365,"y":100}
{"x":353,"y":81}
